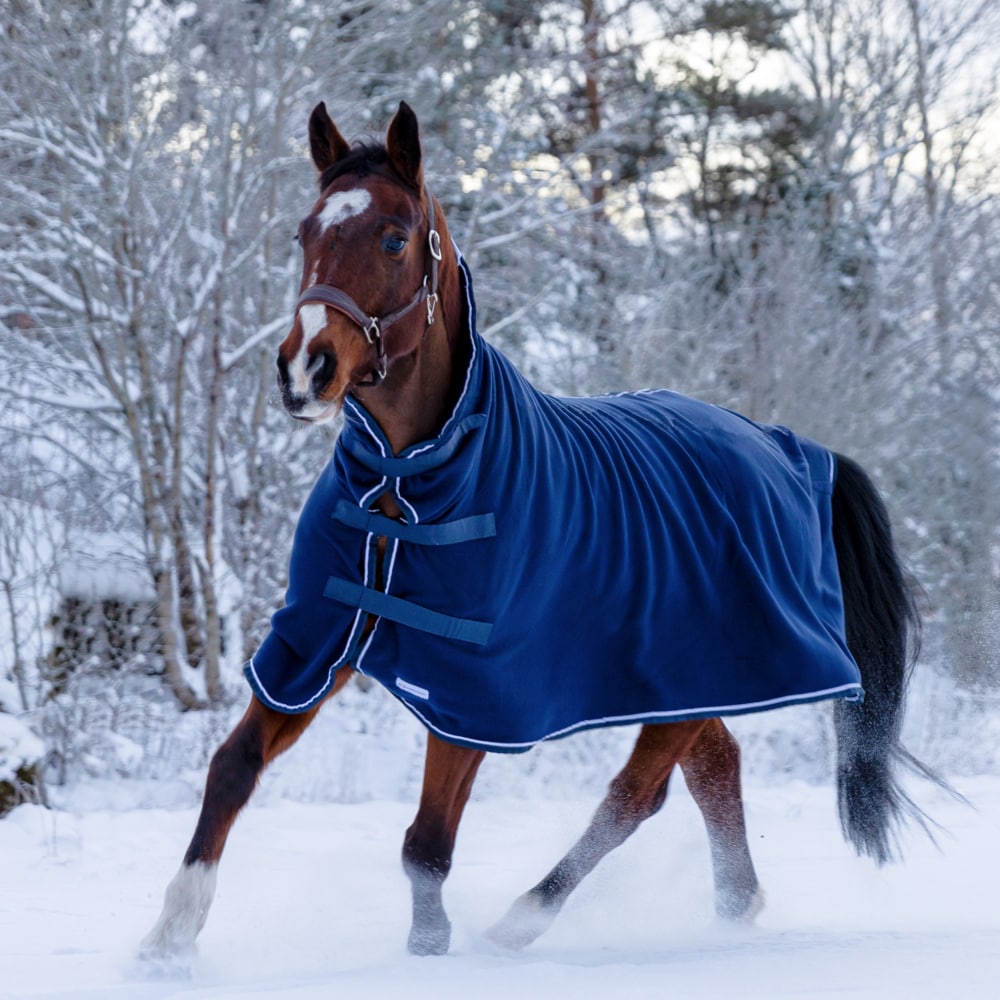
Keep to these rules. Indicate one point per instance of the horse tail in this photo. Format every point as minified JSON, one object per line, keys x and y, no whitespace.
{"x":883,"y":629}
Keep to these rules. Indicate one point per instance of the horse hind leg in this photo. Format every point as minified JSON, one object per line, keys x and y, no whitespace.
{"x":712,"y":773}
{"x":260,"y":736}
{"x":636,"y":793}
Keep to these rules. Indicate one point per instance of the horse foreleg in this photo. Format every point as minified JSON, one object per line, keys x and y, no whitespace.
{"x":260,"y":736}
{"x":712,"y":771}
{"x":449,"y":772}
{"x":635,"y":795}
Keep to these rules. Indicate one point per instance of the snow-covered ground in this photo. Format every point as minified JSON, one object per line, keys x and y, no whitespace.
{"x":312,"y":903}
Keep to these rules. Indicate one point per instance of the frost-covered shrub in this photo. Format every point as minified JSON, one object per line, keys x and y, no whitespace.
{"x":21,"y":756}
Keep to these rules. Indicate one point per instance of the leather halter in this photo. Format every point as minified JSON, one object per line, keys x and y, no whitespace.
{"x":374,"y":327}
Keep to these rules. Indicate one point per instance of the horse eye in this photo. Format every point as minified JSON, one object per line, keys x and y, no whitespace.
{"x":393,"y":244}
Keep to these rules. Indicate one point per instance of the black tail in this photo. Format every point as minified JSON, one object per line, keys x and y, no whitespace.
{"x":882,"y":628}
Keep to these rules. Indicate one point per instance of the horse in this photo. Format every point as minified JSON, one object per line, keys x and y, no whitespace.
{"x":383,"y":337}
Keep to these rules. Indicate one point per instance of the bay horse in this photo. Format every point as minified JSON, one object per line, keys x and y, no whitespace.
{"x":676,"y":606}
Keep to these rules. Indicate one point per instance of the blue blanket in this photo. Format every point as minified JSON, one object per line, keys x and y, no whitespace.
{"x":566,"y":563}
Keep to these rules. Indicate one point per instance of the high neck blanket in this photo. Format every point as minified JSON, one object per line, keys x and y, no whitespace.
{"x":565,"y":563}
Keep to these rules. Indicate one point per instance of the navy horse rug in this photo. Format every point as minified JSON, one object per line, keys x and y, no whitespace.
{"x":566,"y":563}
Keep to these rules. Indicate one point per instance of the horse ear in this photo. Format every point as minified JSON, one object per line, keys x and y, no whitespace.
{"x":326,"y":143}
{"x":403,"y":143}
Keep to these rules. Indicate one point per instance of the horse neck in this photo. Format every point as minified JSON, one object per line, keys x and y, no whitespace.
{"x":420,"y":390}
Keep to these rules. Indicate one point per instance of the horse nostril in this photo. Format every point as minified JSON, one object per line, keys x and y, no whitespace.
{"x":322,"y":369}
{"x":282,"y":372}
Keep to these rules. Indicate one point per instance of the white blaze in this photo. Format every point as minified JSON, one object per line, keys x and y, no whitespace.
{"x":312,"y":318}
{"x":340,"y":206}
{"x":343,"y":205}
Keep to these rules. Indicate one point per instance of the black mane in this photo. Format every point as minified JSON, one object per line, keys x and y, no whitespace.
{"x":364,"y":155}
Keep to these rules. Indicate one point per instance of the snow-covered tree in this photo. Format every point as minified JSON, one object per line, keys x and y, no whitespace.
{"x":787,"y":210}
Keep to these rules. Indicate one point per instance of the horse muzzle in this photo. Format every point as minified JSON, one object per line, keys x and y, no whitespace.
{"x":306,"y":389}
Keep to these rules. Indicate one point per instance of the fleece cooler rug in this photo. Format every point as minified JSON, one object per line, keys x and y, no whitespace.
{"x":566,"y":563}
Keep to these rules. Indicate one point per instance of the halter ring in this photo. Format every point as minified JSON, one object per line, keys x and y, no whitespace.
{"x":434,"y":243}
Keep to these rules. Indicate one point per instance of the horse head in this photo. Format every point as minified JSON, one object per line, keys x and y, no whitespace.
{"x":371,"y":247}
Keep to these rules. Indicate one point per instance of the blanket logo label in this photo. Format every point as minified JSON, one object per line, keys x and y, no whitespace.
{"x":414,"y":689}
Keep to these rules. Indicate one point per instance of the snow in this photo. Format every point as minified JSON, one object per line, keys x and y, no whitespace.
{"x":102,"y":567}
{"x":10,"y":701}
{"x":19,"y":746}
{"x":312,"y":902}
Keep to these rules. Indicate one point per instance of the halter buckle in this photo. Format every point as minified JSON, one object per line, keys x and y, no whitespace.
{"x":373,"y":334}
{"x":434,"y":243}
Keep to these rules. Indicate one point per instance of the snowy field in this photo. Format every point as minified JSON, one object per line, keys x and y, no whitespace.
{"x":312,"y":903}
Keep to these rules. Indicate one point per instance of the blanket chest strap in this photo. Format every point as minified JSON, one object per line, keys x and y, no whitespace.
{"x":464,"y":529}
{"x":374,"y":602}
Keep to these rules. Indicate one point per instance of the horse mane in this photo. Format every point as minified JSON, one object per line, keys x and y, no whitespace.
{"x":365,"y":154}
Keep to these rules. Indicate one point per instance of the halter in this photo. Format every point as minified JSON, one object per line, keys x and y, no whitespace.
{"x":374,"y":327}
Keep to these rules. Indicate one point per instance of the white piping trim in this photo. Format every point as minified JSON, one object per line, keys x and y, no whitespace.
{"x":378,"y":621}
{"x":334,"y":667}
{"x":426,"y":447}
{"x":621,"y":720}
{"x":414,"y":516}
{"x":373,"y":492}
{"x":378,"y":489}
{"x":362,"y":415}
{"x":474,"y":337}
{"x":337,"y":663}
{"x":392,"y":564}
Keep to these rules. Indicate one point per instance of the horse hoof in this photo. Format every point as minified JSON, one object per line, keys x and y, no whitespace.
{"x":185,"y":907}
{"x":525,"y":921}
{"x":742,"y":911}
{"x":429,"y":940}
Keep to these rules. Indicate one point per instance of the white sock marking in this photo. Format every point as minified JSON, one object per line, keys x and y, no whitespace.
{"x":185,"y":908}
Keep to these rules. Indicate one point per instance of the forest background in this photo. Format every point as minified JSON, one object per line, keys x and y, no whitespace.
{"x":787,"y":208}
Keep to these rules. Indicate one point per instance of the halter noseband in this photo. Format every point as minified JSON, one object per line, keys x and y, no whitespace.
{"x":374,"y":327}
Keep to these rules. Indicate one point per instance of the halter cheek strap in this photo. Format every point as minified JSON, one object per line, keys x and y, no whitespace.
{"x":374,"y":327}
